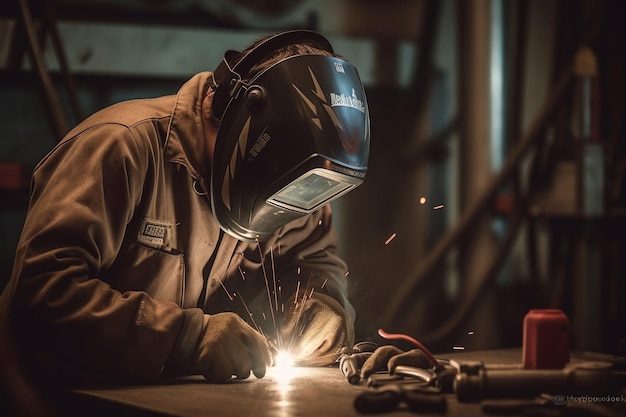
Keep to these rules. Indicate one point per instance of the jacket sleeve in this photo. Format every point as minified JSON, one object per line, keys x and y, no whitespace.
{"x":83,"y":195}
{"x":306,"y":257}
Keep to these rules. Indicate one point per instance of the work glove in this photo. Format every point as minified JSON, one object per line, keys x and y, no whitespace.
{"x":229,"y":346}
{"x":315,"y":330}
{"x":388,"y":357}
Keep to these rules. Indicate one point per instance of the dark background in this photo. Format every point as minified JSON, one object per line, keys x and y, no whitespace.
{"x":474,"y":110}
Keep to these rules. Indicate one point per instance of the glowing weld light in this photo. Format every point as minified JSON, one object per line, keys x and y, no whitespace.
{"x":284,"y":360}
{"x":282,"y":373}
{"x":284,"y":368}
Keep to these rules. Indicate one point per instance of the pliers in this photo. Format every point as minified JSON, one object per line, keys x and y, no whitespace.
{"x":419,"y":389}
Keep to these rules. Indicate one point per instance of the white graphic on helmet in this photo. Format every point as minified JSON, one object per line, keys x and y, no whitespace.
{"x":347,"y":101}
{"x":242,"y":143}
{"x":320,"y":94}
{"x":263,"y":139}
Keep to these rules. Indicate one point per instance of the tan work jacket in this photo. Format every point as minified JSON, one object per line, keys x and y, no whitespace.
{"x":120,"y":248}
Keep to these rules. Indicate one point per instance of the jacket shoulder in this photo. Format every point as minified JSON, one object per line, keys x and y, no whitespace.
{"x":128,"y":113}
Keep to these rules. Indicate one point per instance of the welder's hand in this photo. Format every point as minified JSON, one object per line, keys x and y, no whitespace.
{"x":229,"y":346}
{"x":314,"y":330}
{"x":388,"y":357}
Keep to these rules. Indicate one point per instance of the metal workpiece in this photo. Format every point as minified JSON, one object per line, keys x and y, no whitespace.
{"x":481,"y":382}
{"x":426,"y":375}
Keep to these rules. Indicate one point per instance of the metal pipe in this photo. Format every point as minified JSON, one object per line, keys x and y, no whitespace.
{"x":408,"y":288}
{"x":72,"y":90}
{"x":51,"y":100}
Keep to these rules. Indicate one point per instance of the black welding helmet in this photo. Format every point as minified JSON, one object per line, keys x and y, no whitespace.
{"x":292,"y":138}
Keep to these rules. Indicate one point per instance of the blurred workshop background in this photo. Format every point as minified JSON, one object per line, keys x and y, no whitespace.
{"x":497,"y":174}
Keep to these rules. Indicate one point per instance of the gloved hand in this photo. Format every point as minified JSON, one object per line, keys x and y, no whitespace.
{"x":315,"y":330}
{"x":229,"y":346}
{"x":388,"y":357}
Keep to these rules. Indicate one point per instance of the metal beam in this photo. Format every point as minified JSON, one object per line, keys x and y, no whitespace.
{"x":127,"y":49}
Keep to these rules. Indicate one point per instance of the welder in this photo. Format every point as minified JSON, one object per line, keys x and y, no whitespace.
{"x":154,"y":223}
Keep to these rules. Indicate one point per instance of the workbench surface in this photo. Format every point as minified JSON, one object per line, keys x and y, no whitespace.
{"x":314,"y":392}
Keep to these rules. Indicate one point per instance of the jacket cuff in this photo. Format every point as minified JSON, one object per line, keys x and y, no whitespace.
{"x":179,"y":361}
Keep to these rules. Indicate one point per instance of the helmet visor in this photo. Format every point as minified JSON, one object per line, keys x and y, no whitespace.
{"x":312,"y":190}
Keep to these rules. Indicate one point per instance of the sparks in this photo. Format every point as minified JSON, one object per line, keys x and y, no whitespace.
{"x":423,"y":200}
{"x":295,"y":298}
{"x":438,"y":207}
{"x":390,"y":238}
{"x":224,"y":287}
{"x":274,"y":278}
{"x":458,"y":347}
{"x":267,"y":285}
{"x":250,"y":313}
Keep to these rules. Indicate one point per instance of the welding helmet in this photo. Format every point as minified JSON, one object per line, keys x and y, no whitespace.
{"x":292,"y":138}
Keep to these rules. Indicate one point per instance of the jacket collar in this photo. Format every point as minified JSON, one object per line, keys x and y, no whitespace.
{"x":185,"y":143}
